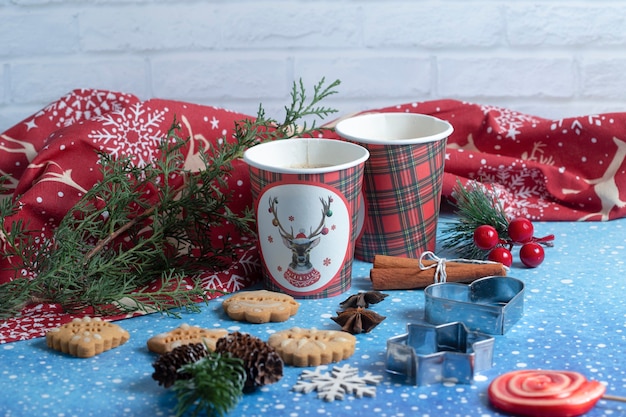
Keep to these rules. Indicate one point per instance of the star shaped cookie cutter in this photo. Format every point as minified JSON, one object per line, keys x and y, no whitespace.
{"x":430,"y":354}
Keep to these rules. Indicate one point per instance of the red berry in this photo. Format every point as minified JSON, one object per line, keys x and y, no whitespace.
{"x":486,"y":237}
{"x":502,"y":255}
{"x":521,"y":230}
{"x":531,"y":254}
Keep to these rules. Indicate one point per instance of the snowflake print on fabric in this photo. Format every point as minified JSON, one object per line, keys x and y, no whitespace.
{"x":236,"y":283}
{"x":134,"y":131}
{"x":509,"y":121}
{"x":34,"y":321}
{"x":249,"y":261}
{"x":521,"y":193}
{"x":217,"y":282}
{"x":577,"y":126}
{"x":77,"y":106}
{"x":215,"y":123}
{"x":565,"y":125}
{"x":241,"y":274}
{"x":340,"y":381}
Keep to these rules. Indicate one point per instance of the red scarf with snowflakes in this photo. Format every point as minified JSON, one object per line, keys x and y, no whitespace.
{"x":570,"y":169}
{"x":51,"y":161}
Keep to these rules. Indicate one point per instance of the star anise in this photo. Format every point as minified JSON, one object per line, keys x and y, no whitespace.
{"x":363,"y":299}
{"x":358,"y":320}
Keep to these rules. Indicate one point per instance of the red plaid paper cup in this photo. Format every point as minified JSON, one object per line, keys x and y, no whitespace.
{"x":402,"y":181}
{"x":307,"y":198}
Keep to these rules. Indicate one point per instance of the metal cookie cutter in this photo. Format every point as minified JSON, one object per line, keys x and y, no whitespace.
{"x":491,"y":305}
{"x":430,"y":354}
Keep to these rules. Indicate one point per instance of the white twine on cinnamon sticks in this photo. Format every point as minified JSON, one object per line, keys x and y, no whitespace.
{"x":440,"y":265}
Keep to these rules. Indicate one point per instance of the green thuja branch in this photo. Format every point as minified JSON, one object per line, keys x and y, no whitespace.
{"x":138,"y":238}
{"x":296,"y":113}
{"x":300,"y":107}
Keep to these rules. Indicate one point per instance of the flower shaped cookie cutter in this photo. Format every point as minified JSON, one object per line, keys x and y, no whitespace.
{"x":490,"y":305}
{"x":430,"y":354}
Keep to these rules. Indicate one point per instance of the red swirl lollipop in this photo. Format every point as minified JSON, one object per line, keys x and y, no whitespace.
{"x":538,"y":393}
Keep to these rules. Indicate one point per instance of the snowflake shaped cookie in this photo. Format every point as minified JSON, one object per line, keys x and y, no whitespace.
{"x":336,"y":384}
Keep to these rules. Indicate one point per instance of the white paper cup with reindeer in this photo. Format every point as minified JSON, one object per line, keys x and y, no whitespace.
{"x":306,"y":193}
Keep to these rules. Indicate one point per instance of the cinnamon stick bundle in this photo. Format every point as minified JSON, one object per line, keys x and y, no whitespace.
{"x":395,"y":273}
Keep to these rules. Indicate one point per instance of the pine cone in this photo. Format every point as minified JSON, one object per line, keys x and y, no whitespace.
{"x":167,"y":365}
{"x":263,"y":365}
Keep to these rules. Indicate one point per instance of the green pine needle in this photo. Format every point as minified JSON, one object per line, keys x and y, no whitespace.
{"x":476,"y":205}
{"x":215,"y":388}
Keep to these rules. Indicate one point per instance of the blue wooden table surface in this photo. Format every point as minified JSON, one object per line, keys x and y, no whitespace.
{"x":574,"y":318}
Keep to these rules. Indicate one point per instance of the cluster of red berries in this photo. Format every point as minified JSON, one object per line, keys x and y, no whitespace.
{"x":520,"y":232}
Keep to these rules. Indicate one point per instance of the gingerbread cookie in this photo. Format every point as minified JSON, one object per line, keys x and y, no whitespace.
{"x":184,"y":335}
{"x":260,"y":306}
{"x":312,"y":347}
{"x":86,"y":337}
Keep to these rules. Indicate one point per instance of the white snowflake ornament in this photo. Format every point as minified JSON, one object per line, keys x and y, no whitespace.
{"x":340,"y":381}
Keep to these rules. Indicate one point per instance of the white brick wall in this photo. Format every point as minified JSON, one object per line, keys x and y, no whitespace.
{"x":552,"y":58}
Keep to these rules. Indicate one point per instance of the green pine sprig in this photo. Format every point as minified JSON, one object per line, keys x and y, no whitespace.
{"x":142,"y":228}
{"x":215,"y":387}
{"x":476,"y":204}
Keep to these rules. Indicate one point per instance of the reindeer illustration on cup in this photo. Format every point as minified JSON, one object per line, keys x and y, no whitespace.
{"x":301,"y":272}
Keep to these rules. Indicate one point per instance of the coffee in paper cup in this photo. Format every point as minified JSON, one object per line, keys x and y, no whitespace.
{"x":306,"y":195}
